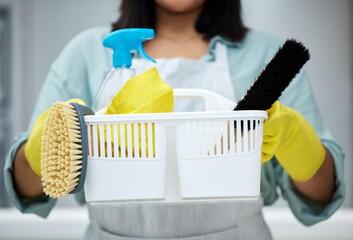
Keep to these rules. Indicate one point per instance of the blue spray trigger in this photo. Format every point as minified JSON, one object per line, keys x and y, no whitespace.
{"x":124,"y":41}
{"x":144,"y":54}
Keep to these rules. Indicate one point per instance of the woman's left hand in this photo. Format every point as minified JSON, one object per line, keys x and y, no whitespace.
{"x":293,"y":141}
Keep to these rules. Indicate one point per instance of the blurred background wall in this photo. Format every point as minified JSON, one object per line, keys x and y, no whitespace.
{"x":326,"y":28}
{"x":37,"y":30}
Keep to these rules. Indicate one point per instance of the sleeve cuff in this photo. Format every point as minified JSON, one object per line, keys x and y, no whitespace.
{"x":309,"y":212}
{"x":41,"y":205}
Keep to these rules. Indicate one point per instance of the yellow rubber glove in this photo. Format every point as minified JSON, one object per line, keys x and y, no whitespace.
{"x":293,"y":141}
{"x":145,"y":93}
{"x":33,"y":144}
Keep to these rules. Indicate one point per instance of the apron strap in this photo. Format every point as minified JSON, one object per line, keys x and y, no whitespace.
{"x":221,"y":59}
{"x":221,"y":55}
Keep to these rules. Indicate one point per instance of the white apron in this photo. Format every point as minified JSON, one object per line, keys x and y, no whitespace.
{"x":184,"y":221}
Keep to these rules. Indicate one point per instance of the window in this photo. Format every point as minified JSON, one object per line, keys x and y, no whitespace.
{"x":4,"y":98}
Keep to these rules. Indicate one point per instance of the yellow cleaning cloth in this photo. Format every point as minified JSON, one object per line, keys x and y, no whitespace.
{"x":145,"y":93}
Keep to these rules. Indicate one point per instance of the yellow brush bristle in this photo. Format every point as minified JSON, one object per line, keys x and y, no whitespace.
{"x":61,"y":158}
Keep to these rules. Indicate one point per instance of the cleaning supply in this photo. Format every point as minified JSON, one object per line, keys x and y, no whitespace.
{"x":293,"y":141}
{"x":145,"y":93}
{"x":276,"y":77}
{"x":64,"y":156}
{"x":123,"y":42}
{"x":64,"y":144}
{"x":178,"y":169}
{"x":64,"y":149}
{"x":287,"y":135}
{"x":33,"y":144}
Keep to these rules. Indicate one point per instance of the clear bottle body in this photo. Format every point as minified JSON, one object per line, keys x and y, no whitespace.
{"x":113,"y":82}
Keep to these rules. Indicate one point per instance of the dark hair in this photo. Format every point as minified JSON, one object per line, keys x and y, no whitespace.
{"x":218,"y":17}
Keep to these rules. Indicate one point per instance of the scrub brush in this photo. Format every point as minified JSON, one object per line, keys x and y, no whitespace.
{"x":64,"y":149}
{"x":276,"y":77}
{"x":64,"y":141}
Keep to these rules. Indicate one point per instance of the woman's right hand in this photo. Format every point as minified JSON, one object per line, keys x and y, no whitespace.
{"x":27,"y":170}
{"x":27,"y":183}
{"x":32,"y":148}
{"x":27,"y":163}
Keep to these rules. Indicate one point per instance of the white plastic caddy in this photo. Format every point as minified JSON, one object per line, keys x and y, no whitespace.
{"x":175,"y":157}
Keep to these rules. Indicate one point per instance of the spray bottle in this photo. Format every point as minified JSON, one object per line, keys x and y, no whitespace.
{"x":123,"y":42}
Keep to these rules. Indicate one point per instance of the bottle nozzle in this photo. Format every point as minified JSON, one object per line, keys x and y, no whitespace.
{"x":124,"y":41}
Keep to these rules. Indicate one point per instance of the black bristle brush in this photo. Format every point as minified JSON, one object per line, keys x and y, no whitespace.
{"x":276,"y":77}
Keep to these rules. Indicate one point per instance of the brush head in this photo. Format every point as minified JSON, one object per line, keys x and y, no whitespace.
{"x":61,"y":154}
{"x":276,"y":77}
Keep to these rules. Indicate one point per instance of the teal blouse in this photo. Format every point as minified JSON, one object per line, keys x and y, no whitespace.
{"x":83,"y":63}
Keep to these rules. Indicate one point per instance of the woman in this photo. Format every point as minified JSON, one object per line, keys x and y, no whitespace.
{"x":198,"y":44}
